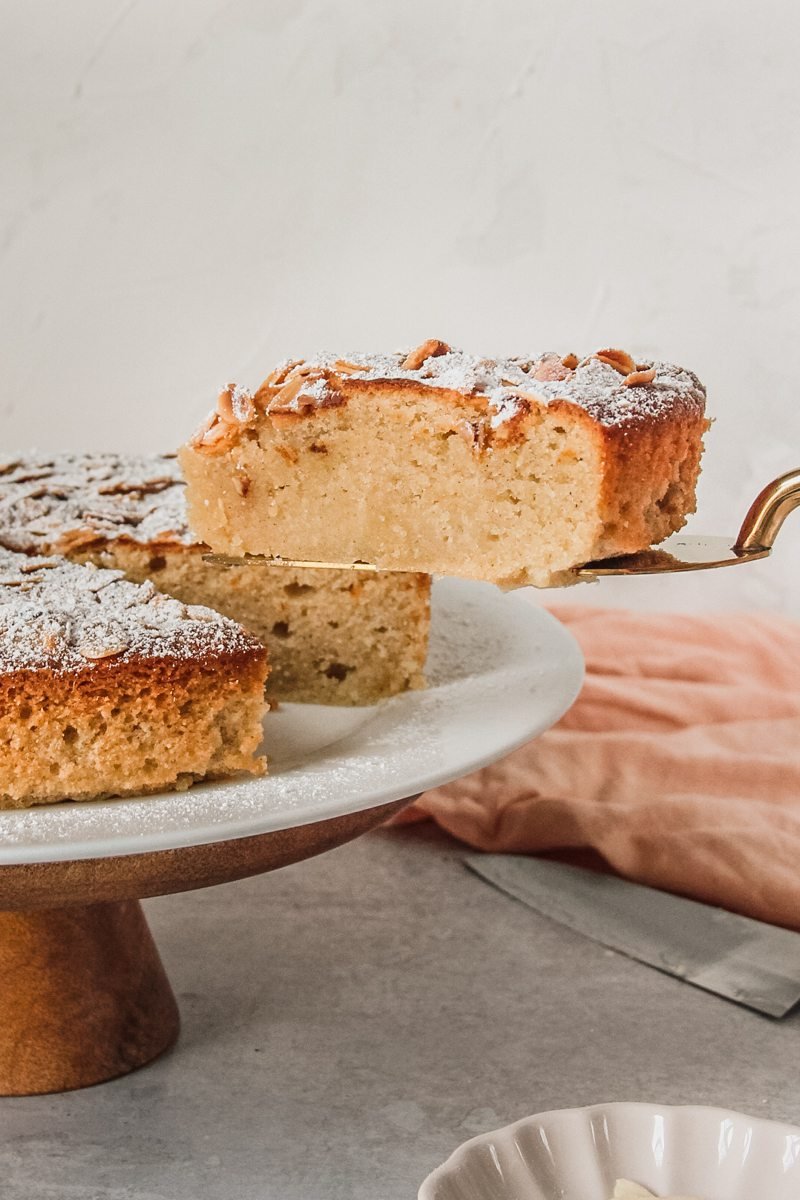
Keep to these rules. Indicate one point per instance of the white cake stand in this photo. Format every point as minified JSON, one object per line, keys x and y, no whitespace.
{"x":83,"y":994}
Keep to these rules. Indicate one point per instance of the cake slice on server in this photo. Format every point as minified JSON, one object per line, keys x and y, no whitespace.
{"x":109,"y":688}
{"x":334,"y":637}
{"x":511,"y":470}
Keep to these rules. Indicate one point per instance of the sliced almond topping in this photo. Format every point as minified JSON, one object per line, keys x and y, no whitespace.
{"x":217,"y":433}
{"x":346,"y":368}
{"x":639,"y":378}
{"x":202,"y":614}
{"x":430,"y":349}
{"x":123,"y":487}
{"x":207,"y":424}
{"x":570,"y":361}
{"x":235,"y":405}
{"x":282,"y":400}
{"x":551,"y":368}
{"x":282,"y":373}
{"x":225,"y":403}
{"x":523,"y":395}
{"x":72,"y":539}
{"x":618,"y":359}
{"x":32,"y":568}
{"x":96,"y":653}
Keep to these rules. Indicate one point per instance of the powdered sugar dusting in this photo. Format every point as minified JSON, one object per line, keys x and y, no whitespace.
{"x":63,"y":617}
{"x":50,"y":504}
{"x":241,"y":402}
{"x":506,"y":387}
{"x":316,"y":390}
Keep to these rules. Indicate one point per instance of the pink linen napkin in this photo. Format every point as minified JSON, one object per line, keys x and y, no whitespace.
{"x":679,"y":763}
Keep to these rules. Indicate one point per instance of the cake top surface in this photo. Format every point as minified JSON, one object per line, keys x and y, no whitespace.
{"x":614,"y":389}
{"x":66,"y":617}
{"x":597,"y":383}
{"x":59,"y":503}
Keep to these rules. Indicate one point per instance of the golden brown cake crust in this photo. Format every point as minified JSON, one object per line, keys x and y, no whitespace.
{"x":496,"y":396}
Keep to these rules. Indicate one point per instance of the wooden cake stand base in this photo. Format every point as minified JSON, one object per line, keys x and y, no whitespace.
{"x":83,"y":995}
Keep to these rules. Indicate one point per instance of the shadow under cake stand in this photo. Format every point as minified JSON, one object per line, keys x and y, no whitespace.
{"x":83,"y":994}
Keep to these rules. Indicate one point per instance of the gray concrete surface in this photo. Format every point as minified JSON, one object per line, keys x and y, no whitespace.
{"x":350,"y":1020}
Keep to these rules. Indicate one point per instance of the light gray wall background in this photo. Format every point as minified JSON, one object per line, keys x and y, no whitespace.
{"x":192,"y":190}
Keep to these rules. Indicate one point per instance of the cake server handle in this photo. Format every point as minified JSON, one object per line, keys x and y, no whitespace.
{"x":768,"y":511}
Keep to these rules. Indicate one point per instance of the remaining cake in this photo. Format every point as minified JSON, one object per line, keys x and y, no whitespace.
{"x":334,"y":637}
{"x":512,"y":470}
{"x":109,"y":688}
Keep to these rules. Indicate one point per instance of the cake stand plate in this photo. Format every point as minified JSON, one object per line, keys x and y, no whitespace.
{"x":83,"y":995}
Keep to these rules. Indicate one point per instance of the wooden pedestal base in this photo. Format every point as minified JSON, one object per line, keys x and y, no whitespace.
{"x":83,"y":994}
{"x":83,"y":997}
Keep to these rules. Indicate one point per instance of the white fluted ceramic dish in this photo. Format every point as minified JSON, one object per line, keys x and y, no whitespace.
{"x":578,"y":1153}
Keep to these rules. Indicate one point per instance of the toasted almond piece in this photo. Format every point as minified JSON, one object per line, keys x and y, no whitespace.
{"x":282,"y":400}
{"x":551,"y":368}
{"x":282,"y":373}
{"x":202,"y":430}
{"x":32,"y":568}
{"x":71,"y":539}
{"x":570,"y":361}
{"x":97,"y":653}
{"x":243,"y":404}
{"x":640,"y":377}
{"x":217,"y":432}
{"x":523,"y":395}
{"x":620,"y":360}
{"x":346,"y":368}
{"x":122,"y":487}
{"x":225,"y":403}
{"x":305,"y":369}
{"x":430,"y":349}
{"x":235,"y":405}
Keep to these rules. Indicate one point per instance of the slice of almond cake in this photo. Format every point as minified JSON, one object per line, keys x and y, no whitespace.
{"x":511,"y":470}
